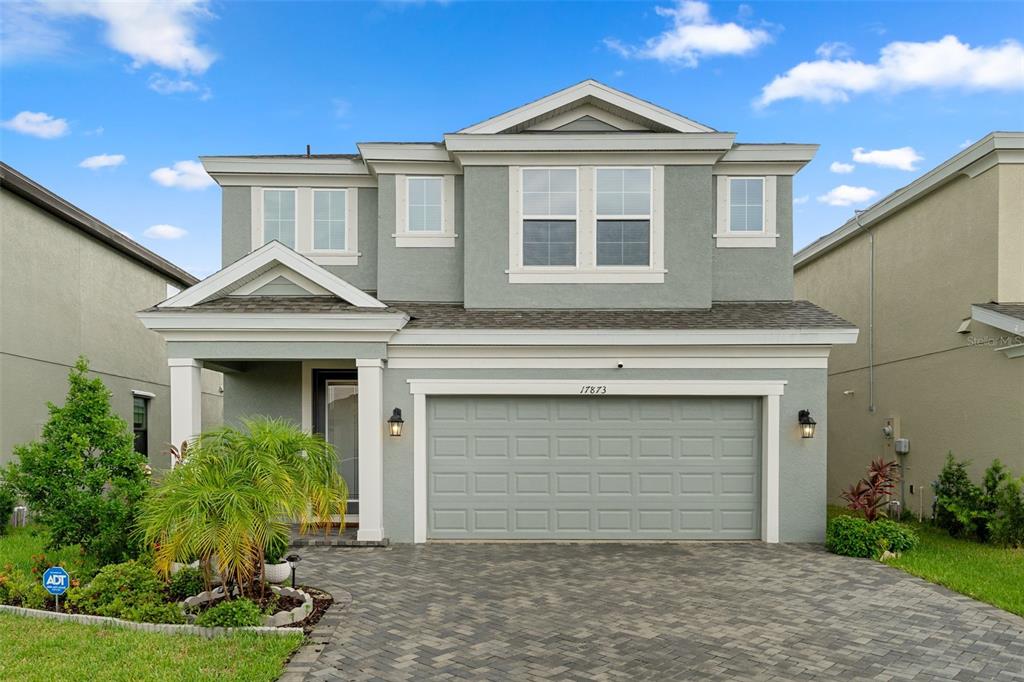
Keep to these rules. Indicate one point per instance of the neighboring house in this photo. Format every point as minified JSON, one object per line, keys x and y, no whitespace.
{"x":582,"y":309}
{"x":69,"y":286}
{"x":933,"y":275}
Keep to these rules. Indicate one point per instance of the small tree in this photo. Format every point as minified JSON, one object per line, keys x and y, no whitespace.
{"x":83,"y":478}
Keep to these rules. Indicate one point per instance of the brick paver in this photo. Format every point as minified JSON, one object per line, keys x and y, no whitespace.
{"x":716,"y":611}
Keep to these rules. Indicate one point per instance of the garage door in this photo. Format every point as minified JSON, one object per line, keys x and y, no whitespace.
{"x":593,"y":468}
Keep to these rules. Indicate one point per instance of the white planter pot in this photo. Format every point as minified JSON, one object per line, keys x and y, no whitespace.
{"x":175,"y":566}
{"x":277,"y":573}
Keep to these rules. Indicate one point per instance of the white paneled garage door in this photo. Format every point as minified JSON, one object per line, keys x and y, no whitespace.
{"x":606,"y":467}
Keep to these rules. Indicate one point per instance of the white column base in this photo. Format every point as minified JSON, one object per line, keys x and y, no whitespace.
{"x":371,"y":449}
{"x":186,"y":400}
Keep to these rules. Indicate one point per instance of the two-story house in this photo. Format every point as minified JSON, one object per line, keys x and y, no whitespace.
{"x":573,"y":320}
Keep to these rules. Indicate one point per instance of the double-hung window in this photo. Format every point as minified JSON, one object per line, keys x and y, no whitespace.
{"x":746,"y":204}
{"x":425,"y":204}
{"x":623,"y":216}
{"x":329,"y":216}
{"x":550,"y":217}
{"x":279,"y":216}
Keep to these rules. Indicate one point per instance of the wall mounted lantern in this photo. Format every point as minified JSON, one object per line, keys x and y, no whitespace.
{"x":395,"y":423}
{"x":807,"y":423}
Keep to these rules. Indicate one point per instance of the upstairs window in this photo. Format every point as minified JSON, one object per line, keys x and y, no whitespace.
{"x":746,"y":204}
{"x":623,"y":216}
{"x":279,"y":216}
{"x":329,"y":208}
{"x":426,"y":204}
{"x":550,"y":217}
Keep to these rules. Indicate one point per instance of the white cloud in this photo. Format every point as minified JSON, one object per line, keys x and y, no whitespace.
{"x":171,"y":86}
{"x":966,"y":143}
{"x":25,"y":34}
{"x":693,"y":35}
{"x":945,"y":63}
{"x":802,"y":199}
{"x":840,"y":167}
{"x":902,"y":158}
{"x":37,"y":124}
{"x":165,"y":232}
{"x":102,"y":161}
{"x":845,"y":195}
{"x":834,"y":50}
{"x":158,"y":32}
{"x":183,"y":174}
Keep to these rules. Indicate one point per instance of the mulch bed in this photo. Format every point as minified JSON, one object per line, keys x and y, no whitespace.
{"x":321,"y":601}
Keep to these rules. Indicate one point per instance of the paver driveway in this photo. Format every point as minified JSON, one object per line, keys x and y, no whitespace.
{"x":646,"y":612}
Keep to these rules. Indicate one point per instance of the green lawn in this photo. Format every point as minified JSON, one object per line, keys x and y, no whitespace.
{"x":47,"y":650}
{"x":19,"y":545}
{"x":991,"y":574}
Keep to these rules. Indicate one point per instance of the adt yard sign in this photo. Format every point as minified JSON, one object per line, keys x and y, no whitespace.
{"x":56,"y":580}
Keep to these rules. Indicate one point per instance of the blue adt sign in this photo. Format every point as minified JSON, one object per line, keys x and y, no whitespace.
{"x":56,"y":580}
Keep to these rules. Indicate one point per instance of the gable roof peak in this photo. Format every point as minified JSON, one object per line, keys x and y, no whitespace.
{"x":589,"y":91}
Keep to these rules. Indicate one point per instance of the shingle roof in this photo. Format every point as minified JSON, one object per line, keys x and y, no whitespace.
{"x":732,"y":315}
{"x":747,"y":315}
{"x":1010,"y":309}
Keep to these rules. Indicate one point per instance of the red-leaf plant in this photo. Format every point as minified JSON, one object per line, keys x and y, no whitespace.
{"x":870,"y":494}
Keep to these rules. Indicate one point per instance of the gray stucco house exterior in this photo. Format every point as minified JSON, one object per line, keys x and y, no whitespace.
{"x":582,"y":309}
{"x":71,"y":285}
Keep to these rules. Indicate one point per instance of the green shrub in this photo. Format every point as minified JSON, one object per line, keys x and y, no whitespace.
{"x":187,"y":582}
{"x":118,"y":589}
{"x":1007,"y":524}
{"x":231,"y":614}
{"x":856,"y":537}
{"x":83,"y":478}
{"x":275,"y":551}
{"x":7,"y":501}
{"x":152,"y":612}
{"x":18,"y":588}
{"x":957,"y":499}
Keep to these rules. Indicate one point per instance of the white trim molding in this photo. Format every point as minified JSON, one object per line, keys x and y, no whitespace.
{"x":254,"y":264}
{"x":304,"y":224}
{"x":769,"y":390}
{"x":370,"y":372}
{"x":636,"y":337}
{"x":404,"y":238}
{"x":725,"y":237}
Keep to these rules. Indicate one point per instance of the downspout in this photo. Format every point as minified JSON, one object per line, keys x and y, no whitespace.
{"x":871,"y":312}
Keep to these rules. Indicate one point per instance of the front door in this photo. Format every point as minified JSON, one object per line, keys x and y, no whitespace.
{"x":336,"y":417}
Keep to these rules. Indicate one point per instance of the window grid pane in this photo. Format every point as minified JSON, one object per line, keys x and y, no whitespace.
{"x":549,"y":243}
{"x":279,"y":216}
{"x":329,"y":220}
{"x":624,"y":242}
{"x":425,"y":210}
{"x":139,"y":413}
{"x":623,"y":191}
{"x":549,"y":192}
{"x":746,"y":205}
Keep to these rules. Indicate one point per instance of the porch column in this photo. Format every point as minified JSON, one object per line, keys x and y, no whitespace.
{"x":371,"y":448}
{"x":186,"y":399}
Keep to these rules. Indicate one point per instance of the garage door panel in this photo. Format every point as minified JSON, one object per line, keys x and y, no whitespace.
{"x":592,"y":468}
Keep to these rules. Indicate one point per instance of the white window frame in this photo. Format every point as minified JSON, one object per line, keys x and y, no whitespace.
{"x":648,"y":217}
{"x":586,"y":271}
{"x":445,"y":238}
{"x":295,"y":203}
{"x":550,"y":269}
{"x":304,"y":224}
{"x":724,"y":235}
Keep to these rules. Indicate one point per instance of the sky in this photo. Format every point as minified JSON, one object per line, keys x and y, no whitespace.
{"x":110,"y":104}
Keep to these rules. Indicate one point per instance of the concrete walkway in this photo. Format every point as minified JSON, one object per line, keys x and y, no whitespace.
{"x":745,"y":611}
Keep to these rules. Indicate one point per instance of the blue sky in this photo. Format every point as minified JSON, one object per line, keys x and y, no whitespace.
{"x":161,"y":83}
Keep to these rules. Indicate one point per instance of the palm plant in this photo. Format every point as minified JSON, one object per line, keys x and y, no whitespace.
{"x":238,"y":491}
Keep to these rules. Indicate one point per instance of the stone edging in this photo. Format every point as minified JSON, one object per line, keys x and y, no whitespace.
{"x":299,"y":613}
{"x":164,"y":628}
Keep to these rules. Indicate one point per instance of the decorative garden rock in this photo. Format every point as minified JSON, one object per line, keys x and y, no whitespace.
{"x":299,"y":613}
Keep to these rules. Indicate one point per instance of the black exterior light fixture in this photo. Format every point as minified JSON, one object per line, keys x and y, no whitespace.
{"x":293,"y":561}
{"x":807,"y":423}
{"x":395,"y":423}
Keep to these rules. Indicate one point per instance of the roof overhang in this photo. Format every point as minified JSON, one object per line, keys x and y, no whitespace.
{"x":246,"y":170}
{"x":765,"y":159}
{"x":625,"y":337}
{"x":1013,"y":346}
{"x":288,"y":327}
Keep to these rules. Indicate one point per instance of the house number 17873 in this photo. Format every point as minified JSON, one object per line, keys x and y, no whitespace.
{"x":593,"y":390}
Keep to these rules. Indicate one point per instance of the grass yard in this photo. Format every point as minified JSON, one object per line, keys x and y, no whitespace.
{"x":19,"y":545}
{"x":991,"y":574}
{"x":46,"y":650}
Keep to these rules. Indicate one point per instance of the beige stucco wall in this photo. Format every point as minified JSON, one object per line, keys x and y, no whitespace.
{"x":65,"y":294}
{"x":933,"y":259}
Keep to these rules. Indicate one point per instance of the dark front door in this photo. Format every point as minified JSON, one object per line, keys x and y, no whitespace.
{"x":336,"y":418}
